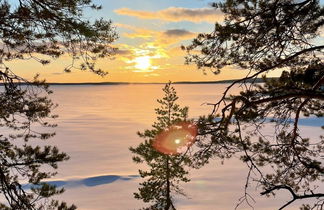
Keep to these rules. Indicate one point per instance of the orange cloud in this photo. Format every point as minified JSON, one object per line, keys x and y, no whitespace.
{"x":161,"y":38}
{"x":154,"y":53}
{"x":176,"y":14}
{"x":176,"y":35}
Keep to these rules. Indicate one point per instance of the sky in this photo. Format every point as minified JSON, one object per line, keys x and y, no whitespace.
{"x":151,"y":33}
{"x":150,"y":37}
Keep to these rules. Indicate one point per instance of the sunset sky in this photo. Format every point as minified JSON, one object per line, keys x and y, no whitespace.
{"x":151,"y":33}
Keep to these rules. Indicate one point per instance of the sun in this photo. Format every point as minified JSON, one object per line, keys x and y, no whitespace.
{"x":143,"y":62}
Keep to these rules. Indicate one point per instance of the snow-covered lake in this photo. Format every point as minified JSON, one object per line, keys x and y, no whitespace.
{"x":98,"y":124}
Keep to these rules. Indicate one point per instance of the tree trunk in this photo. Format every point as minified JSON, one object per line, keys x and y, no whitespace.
{"x":168,"y":202}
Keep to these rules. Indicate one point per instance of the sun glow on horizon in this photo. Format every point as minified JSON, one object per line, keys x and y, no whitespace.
{"x":143,"y":62}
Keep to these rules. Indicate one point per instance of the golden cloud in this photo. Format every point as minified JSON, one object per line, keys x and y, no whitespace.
{"x":159,"y":38}
{"x":176,"y":14}
{"x":152,"y":55}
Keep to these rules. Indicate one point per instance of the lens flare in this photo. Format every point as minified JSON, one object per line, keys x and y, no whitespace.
{"x":176,"y":138}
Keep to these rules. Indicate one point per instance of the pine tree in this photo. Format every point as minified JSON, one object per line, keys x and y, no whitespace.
{"x":265,"y":37}
{"x":165,"y":151}
{"x":40,"y":31}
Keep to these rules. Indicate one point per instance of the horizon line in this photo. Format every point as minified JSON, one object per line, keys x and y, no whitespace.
{"x":258,"y":80}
